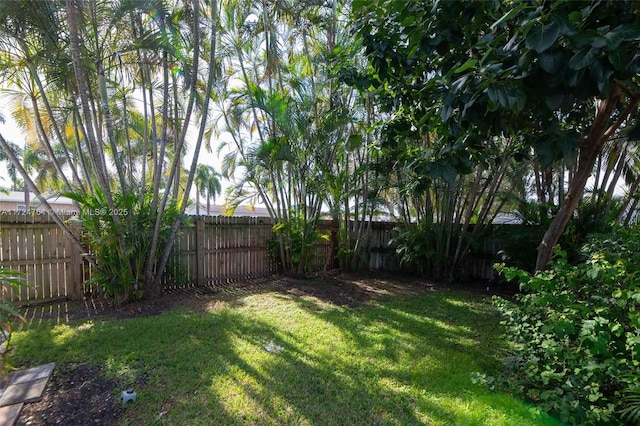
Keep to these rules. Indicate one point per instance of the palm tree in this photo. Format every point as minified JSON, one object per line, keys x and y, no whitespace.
{"x":292,"y":124}
{"x":16,"y":183}
{"x":207,"y":181}
{"x":91,"y":132}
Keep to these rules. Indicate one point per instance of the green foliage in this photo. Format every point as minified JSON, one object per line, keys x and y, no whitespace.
{"x":122,"y":255}
{"x":520,"y":242}
{"x":176,"y":272}
{"x":8,"y":315}
{"x":296,"y":241}
{"x":591,"y":217}
{"x":575,"y":331}
{"x":456,"y":74}
{"x":500,"y":67}
{"x":631,"y":403}
{"x":414,"y":245}
{"x":426,"y":247}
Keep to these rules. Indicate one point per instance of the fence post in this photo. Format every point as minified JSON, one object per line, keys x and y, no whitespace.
{"x":74,"y":288}
{"x":200,"y":238}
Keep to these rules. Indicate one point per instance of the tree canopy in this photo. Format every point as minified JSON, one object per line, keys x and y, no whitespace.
{"x":561,"y":76}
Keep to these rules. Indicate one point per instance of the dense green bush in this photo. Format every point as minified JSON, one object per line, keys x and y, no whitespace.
{"x":294,"y":243}
{"x":575,"y":332}
{"x":427,"y":247}
{"x":121,"y":250}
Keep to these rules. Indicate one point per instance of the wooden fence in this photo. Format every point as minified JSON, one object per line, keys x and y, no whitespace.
{"x":214,"y":250}
{"x":34,"y":245}
{"x":218,"y":249}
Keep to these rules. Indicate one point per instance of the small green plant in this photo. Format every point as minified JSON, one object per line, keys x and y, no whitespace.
{"x":483,"y":379}
{"x":175,"y":271}
{"x":575,"y":331}
{"x":8,"y":315}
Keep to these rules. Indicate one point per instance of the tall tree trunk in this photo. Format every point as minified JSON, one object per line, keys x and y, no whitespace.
{"x":589,"y":152}
{"x":194,"y":163}
{"x":152,"y":271}
{"x":631,"y":196}
{"x":95,"y":150}
{"x":619,"y":168}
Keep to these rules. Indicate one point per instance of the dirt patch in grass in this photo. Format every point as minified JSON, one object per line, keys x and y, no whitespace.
{"x":76,"y":394}
{"x":79,"y":394}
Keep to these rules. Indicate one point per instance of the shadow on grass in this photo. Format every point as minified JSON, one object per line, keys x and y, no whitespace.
{"x":388,"y":362}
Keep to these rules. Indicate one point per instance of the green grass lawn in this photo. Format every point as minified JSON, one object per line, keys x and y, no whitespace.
{"x":398,"y":360}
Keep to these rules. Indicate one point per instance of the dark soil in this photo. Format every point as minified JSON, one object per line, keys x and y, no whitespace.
{"x":76,"y":394}
{"x":80,"y":394}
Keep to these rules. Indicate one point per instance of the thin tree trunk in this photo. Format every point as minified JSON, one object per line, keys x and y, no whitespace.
{"x":631,"y":195}
{"x":619,"y":168}
{"x":4,"y":146}
{"x":47,"y":144}
{"x":106,"y":111}
{"x":80,"y":153}
{"x":153,"y":280}
{"x":73,"y":19}
{"x":538,"y":181}
{"x":54,"y":124}
{"x":205,"y":112}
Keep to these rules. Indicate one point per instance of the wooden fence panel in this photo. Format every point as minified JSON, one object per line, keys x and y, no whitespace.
{"x":212,"y":250}
{"x":34,"y":245}
{"x":380,"y":256}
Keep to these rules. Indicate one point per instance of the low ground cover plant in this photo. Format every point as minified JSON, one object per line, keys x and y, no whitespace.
{"x":575,"y":332}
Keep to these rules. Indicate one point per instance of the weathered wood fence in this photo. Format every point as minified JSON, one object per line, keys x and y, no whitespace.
{"x":34,"y":245}
{"x":219,"y":249}
{"x":214,"y":250}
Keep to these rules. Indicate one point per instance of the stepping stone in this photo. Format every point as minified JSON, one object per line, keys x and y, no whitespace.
{"x":26,"y":385}
{"x":23,"y":392}
{"x":9,"y":414}
{"x":31,"y":374}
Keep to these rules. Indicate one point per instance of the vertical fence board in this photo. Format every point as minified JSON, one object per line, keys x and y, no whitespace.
{"x":39,"y":268}
{"x":30,"y":256}
{"x":12,"y":258}
{"x":46,"y":253}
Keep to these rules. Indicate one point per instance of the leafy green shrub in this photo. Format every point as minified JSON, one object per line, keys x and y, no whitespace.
{"x":295,"y":243}
{"x":631,"y":404}
{"x":412,"y":245}
{"x":519,"y":242}
{"x":575,"y":331}
{"x":176,"y":272}
{"x":427,"y":247}
{"x":121,"y":255}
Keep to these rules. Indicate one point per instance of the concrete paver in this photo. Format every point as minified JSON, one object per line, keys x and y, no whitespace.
{"x":20,"y":387}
